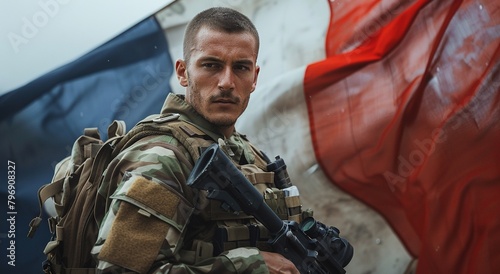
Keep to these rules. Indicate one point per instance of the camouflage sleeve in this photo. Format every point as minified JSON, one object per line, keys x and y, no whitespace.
{"x":143,"y":230}
{"x":244,"y":260}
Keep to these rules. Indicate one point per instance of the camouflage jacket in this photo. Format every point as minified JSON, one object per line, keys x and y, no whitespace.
{"x":155,"y":222}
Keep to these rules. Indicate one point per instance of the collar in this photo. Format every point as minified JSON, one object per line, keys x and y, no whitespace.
{"x":176,"y":103}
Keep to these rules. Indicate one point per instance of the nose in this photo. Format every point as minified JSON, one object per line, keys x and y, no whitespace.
{"x":226,"y":79}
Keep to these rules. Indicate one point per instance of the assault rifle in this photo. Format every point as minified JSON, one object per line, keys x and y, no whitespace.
{"x":311,"y":246}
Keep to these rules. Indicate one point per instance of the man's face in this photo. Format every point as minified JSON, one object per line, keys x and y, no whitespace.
{"x":220,"y":75}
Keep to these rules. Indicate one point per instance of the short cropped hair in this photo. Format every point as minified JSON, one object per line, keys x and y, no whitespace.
{"x":220,"y":19}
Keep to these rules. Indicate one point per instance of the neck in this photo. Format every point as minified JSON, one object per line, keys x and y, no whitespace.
{"x":226,"y":131}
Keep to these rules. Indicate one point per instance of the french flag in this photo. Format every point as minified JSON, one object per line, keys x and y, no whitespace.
{"x":386,"y":113}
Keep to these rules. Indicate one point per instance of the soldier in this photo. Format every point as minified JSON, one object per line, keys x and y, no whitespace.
{"x":158,"y":224}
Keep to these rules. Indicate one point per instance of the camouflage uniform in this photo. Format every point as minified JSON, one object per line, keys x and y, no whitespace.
{"x":156,"y":223}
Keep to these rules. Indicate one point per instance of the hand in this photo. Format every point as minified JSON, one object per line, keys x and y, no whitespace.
{"x":278,"y":264}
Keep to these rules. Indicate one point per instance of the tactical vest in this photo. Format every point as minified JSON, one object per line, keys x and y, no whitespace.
{"x":233,"y":230}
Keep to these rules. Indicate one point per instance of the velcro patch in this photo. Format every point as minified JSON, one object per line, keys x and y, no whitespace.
{"x":135,"y":238}
{"x":155,"y":196}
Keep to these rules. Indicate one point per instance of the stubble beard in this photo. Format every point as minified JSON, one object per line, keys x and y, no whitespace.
{"x":196,"y":101}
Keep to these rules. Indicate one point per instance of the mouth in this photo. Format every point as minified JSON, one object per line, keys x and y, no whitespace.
{"x":225,"y":101}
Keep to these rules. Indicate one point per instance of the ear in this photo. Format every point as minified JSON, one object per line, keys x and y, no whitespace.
{"x":181,"y":71}
{"x":257,"y":70}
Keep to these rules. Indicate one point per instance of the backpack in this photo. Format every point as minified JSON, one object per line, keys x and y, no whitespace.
{"x":74,"y":189}
{"x":77,"y":179}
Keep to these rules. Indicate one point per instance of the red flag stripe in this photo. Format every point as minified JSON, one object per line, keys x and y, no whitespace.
{"x":404,"y":116}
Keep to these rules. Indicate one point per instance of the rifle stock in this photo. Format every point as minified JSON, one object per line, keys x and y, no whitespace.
{"x":311,"y":246}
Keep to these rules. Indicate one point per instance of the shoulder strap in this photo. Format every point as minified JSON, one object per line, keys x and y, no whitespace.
{"x":144,"y":128}
{"x":191,"y":137}
{"x":188,"y":134}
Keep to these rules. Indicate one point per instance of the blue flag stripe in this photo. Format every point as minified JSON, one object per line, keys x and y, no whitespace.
{"x":127,"y":78}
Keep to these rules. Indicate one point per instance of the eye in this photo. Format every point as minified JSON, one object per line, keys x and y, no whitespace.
{"x":242,"y":67}
{"x":210,"y":65}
